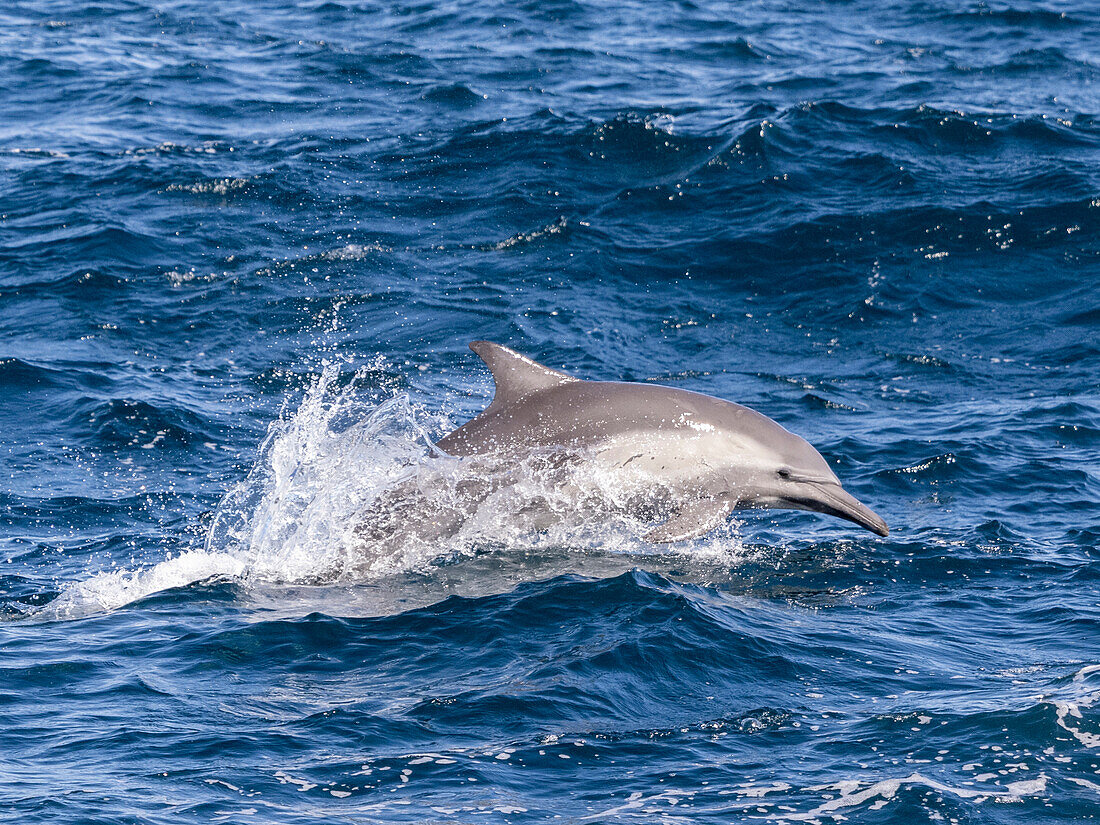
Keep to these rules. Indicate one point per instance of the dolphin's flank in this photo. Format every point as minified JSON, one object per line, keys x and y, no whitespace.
{"x":704,"y":456}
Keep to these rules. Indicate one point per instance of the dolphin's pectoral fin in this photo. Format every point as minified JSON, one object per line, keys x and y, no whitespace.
{"x":516,"y":375}
{"x":691,"y":521}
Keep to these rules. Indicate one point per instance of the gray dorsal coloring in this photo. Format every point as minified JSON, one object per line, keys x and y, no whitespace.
{"x":515,"y":375}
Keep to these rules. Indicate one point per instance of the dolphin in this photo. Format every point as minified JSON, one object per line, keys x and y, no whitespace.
{"x":700,"y":457}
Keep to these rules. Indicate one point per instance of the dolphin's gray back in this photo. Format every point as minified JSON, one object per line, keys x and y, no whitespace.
{"x":535,"y":407}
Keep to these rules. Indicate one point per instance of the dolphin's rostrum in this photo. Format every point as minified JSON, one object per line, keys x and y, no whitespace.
{"x":704,"y":456}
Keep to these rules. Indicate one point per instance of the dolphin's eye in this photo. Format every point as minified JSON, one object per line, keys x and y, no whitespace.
{"x":784,"y":472}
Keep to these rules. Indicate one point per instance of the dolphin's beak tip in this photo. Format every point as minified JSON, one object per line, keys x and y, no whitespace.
{"x":836,"y":501}
{"x":875,"y":523}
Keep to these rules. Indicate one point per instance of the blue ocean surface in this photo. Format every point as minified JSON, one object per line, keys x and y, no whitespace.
{"x":243,"y":247}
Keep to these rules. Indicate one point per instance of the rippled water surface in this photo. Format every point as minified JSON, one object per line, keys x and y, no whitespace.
{"x":243,"y":247}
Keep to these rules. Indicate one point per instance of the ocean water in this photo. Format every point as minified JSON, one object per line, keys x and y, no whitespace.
{"x":243,"y":247}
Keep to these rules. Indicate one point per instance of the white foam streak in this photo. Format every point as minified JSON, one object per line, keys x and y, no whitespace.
{"x":884,"y":791}
{"x":1067,"y":709}
{"x":112,"y":590}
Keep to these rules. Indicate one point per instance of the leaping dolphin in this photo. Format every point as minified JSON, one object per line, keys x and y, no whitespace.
{"x":704,"y":456}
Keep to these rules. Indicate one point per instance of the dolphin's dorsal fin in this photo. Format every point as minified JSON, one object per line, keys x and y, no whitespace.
{"x":516,"y":375}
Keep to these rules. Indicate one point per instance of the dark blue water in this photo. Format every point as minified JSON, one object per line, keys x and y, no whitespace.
{"x":243,"y":247}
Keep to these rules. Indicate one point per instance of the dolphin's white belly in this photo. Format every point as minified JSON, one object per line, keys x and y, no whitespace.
{"x":684,"y":460}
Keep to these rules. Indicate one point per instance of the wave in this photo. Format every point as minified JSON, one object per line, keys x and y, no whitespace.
{"x":456,"y":95}
{"x":17,"y":375}
{"x":771,"y":186}
{"x":1011,"y":16}
{"x":83,"y":239}
{"x":585,"y":671}
{"x":118,"y":423}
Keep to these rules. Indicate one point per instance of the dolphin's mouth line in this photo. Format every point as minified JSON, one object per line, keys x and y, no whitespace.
{"x":832,"y":499}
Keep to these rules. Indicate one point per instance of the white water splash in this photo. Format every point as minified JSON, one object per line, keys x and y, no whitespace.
{"x":293,"y":518}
